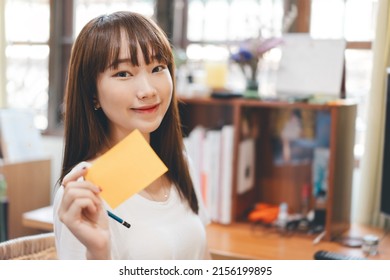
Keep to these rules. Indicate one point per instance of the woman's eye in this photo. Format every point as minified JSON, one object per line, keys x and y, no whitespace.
{"x":122,"y":74}
{"x":159,"y":68}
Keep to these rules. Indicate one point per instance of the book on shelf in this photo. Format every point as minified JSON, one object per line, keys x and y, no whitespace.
{"x":194,"y":145}
{"x":320,"y":171}
{"x":226,"y":176}
{"x":212,"y":171}
{"x":211,"y":151}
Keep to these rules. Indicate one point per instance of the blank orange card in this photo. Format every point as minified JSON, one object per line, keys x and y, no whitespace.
{"x":126,"y":169}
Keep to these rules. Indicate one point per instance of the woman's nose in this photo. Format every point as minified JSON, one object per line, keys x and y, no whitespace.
{"x":145,"y":88}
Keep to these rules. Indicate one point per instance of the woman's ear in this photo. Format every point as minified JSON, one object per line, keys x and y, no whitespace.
{"x":96,"y":104}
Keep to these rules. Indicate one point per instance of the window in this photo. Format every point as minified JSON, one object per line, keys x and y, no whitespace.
{"x":27,"y":56}
{"x":354,"y":21}
{"x":224,"y":23}
{"x":87,"y":9}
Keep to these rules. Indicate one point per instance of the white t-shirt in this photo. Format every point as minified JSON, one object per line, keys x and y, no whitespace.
{"x":159,"y":230}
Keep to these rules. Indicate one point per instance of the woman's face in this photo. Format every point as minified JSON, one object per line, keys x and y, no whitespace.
{"x":134,"y":97}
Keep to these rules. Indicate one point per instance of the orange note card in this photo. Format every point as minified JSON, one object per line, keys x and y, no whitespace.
{"x":126,"y":169}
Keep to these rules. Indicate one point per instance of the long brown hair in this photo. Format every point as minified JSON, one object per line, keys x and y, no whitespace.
{"x":96,"y":47}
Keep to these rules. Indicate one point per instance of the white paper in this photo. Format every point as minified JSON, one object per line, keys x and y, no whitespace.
{"x":310,"y":66}
{"x":246,"y":166}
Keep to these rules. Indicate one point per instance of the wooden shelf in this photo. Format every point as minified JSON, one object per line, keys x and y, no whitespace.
{"x":281,"y":183}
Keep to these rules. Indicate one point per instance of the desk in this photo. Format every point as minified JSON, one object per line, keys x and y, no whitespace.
{"x":244,"y":242}
{"x":241,"y":241}
{"x":41,"y":219}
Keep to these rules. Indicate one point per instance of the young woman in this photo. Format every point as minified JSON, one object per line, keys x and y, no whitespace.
{"x":121,"y":78}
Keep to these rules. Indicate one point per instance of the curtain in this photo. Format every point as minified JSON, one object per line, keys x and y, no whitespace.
{"x":2,"y":55}
{"x":367,"y":211}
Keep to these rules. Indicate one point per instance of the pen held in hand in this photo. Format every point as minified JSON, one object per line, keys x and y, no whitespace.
{"x":119,"y":220}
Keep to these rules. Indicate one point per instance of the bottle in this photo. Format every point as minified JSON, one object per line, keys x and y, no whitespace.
{"x":370,"y":244}
{"x":3,"y":187}
{"x":305,"y":196}
{"x":282,"y":216}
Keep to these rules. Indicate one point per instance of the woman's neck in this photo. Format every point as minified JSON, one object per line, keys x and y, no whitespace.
{"x":159,"y":190}
{"x":116,"y":136}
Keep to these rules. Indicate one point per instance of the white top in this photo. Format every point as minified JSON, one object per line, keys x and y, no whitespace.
{"x":159,"y":230}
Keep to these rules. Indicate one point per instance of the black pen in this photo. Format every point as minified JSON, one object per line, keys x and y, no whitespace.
{"x":119,"y":220}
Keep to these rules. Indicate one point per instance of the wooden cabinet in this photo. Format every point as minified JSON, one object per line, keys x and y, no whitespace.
{"x":28,"y":188}
{"x":278,"y":179}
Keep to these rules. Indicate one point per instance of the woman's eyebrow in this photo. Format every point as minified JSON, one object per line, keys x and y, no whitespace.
{"x":119,"y":61}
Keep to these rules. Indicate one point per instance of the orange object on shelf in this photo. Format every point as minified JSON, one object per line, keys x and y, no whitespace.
{"x":263,"y":212}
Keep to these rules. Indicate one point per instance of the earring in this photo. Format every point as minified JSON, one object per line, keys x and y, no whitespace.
{"x":96,"y":105}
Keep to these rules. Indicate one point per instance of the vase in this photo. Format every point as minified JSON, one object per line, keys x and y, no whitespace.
{"x":252,"y":88}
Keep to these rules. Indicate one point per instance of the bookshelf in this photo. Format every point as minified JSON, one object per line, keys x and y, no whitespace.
{"x":279,"y":180}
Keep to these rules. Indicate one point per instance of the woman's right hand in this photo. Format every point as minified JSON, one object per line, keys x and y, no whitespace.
{"x":82,"y":211}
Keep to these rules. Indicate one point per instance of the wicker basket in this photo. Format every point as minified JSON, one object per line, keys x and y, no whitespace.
{"x":31,"y":247}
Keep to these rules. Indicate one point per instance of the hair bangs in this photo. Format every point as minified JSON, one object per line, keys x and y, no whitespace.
{"x":111,"y":54}
{"x":138,"y":33}
{"x":154,"y":48}
{"x":142,"y":33}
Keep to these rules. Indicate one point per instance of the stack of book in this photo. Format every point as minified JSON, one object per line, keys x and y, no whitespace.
{"x":211,"y":151}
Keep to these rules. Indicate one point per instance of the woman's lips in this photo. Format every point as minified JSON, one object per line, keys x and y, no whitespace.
{"x":146,"y":109}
